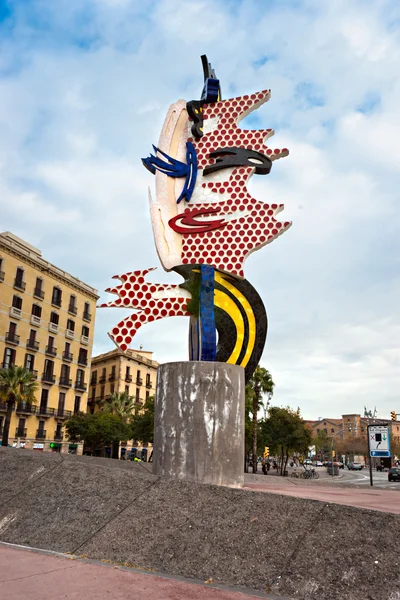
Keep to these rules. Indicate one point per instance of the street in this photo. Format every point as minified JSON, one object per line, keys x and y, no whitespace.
{"x":361,"y":479}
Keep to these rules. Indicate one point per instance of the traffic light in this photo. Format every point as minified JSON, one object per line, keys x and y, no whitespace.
{"x":266,"y":451}
{"x":393,"y":415}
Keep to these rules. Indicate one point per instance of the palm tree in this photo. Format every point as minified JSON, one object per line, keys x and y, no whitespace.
{"x":122,"y":405}
{"x":260,"y":383}
{"x":16,"y":385}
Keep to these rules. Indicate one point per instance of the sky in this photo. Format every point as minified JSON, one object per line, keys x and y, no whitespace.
{"x":84,"y":89}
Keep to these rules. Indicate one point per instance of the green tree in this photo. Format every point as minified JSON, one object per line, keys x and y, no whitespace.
{"x":323,"y":444}
{"x":285,"y":433}
{"x":143,"y":423}
{"x":122,"y":405}
{"x":259,"y":384}
{"x":16,"y":385}
{"x":98,"y":430}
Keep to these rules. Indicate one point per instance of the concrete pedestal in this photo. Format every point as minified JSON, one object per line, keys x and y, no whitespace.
{"x":199,"y":422}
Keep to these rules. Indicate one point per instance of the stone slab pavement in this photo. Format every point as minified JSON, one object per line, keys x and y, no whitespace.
{"x":372,"y":499}
{"x":34,"y":574}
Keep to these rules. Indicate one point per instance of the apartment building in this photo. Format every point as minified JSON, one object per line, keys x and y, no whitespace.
{"x":46,"y":325}
{"x":134,"y":372}
{"x":352,"y":426}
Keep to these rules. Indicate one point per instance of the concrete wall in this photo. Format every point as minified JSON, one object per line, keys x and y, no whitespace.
{"x":199,"y":422}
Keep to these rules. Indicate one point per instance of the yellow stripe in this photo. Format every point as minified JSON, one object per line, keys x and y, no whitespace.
{"x":222,"y":280}
{"x":225,"y":303}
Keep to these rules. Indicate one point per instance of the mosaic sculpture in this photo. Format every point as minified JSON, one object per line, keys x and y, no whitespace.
{"x":205,"y":224}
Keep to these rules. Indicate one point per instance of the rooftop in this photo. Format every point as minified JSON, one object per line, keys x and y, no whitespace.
{"x":30,"y":253}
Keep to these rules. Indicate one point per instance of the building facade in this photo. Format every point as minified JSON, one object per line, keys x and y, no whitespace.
{"x":134,"y":372}
{"x":46,"y":325}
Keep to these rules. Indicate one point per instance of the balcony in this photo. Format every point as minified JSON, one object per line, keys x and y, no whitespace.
{"x":87,"y":316}
{"x":38,"y":293}
{"x":12,"y":338}
{"x":20,"y":432}
{"x":33,"y":373}
{"x":51,"y":350}
{"x":40,"y":434}
{"x":35,"y":321}
{"x":82,"y":360}
{"x":67,"y":356}
{"x":128,"y":378}
{"x":32,"y":344}
{"x":26,"y":408}
{"x":72,"y":309}
{"x":48,"y":378}
{"x":111,"y":377}
{"x":80,"y":385}
{"x":65,"y":382}
{"x":69,"y":334}
{"x":149,"y":385}
{"x":1,"y":275}
{"x":102,"y":379}
{"x":53,"y":327}
{"x":56,"y":302}
{"x":84,"y":340}
{"x":15,"y":313}
{"x":59,"y":436}
{"x":63,"y":414}
{"x":43,"y":411}
{"x":93,"y":381}
{"x":139,"y":381}
{"x":19,"y":285}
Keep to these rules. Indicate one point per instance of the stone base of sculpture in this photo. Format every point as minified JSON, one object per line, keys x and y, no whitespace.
{"x":199,"y":422}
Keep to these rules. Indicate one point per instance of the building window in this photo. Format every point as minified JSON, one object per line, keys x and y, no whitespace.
{"x":148,"y":381}
{"x":138,"y":378}
{"x":43,"y":400}
{"x":11,"y":336}
{"x":102,"y":388}
{"x":72,"y":305}
{"x":38,"y":289}
{"x":86,"y":312}
{"x":94,"y":378}
{"x":29,"y":361}
{"x":48,"y":368}
{"x":9,"y":358}
{"x":71,"y":325}
{"x":54,"y":318}
{"x":127,"y":389}
{"x":36,"y":310}
{"x":147,"y":395}
{"x":17,"y":302}
{"x":93,"y":392}
{"x":128,"y":374}
{"x":61,"y":403}
{"x":64,"y":373}
{"x":112,"y":388}
{"x":137,"y":398}
{"x":58,"y":432}
{"x":56,"y":297}
{"x":19,"y":279}
{"x":80,"y":376}
{"x":85,"y":331}
{"x":77,"y":404}
{"x":325,"y":430}
{"x":1,"y":279}
{"x":332,"y":430}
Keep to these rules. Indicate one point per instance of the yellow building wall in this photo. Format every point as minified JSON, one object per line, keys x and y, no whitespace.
{"x":109,"y":374}
{"x":10,"y":261}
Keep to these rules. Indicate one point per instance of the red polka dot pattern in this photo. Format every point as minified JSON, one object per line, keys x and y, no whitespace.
{"x":227,"y":249}
{"x":134,"y":292}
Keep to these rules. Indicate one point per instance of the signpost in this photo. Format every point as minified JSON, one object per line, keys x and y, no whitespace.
{"x":378,"y":444}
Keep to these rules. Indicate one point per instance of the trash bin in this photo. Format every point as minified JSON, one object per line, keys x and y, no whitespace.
{"x":335,"y":470}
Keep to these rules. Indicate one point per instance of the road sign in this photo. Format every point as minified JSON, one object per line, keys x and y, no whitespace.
{"x":379,"y":441}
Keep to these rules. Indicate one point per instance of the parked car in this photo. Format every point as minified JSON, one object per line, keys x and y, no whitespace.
{"x":354,"y":466}
{"x":341,"y":465}
{"x":394,"y":474}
